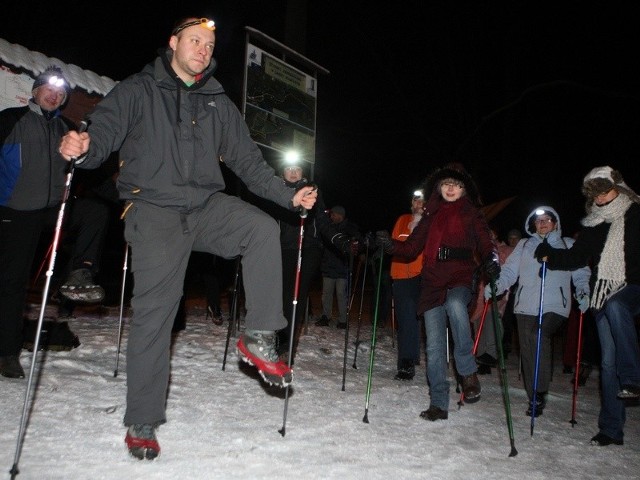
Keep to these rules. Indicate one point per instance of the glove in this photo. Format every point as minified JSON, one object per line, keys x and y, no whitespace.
{"x":354,"y":247}
{"x":342,"y":242}
{"x":491,"y":266}
{"x":583,"y":301}
{"x":543,"y":251}
{"x":487,"y":292}
{"x":383,"y":240}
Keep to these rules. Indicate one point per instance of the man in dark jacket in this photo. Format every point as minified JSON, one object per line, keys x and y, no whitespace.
{"x":173,"y":124}
{"x":610,"y":242}
{"x":335,"y":267}
{"x":32,"y":179}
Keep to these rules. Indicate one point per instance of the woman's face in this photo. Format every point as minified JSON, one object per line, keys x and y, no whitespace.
{"x":451,"y":190}
{"x":544,"y":224}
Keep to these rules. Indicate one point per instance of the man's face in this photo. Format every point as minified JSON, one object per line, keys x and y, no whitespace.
{"x":49,"y":97}
{"x":417,"y":205}
{"x":336,"y":217}
{"x":604,"y":198}
{"x":292,"y":174}
{"x":192,"y":51}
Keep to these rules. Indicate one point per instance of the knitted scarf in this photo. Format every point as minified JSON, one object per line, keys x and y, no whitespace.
{"x":611,"y":268}
{"x":447,"y":223}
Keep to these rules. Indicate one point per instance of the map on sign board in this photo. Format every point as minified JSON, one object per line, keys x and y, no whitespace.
{"x":280,"y":107}
{"x":15,"y":88}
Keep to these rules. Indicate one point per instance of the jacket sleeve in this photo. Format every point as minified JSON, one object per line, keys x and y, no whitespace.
{"x":109,"y":124}
{"x":575,"y":257}
{"x":414,"y":244}
{"x":510,"y":271}
{"x":241,"y":154}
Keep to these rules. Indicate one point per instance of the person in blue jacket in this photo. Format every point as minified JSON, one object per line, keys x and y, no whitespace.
{"x":542,"y":224}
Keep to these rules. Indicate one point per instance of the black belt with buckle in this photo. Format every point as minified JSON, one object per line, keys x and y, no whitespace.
{"x":448,"y":253}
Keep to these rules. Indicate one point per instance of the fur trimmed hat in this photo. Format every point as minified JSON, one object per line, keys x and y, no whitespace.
{"x":53,"y":75}
{"x":454,"y":171}
{"x":602,"y":179}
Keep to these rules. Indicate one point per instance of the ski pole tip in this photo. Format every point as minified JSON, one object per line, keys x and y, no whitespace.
{"x":282,"y":431}
{"x":514,"y":452}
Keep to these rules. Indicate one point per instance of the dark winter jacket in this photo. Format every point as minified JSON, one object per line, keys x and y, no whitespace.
{"x":171,"y":138}
{"x":440,"y":276}
{"x":290,"y":226}
{"x":590,"y":243}
{"x":335,"y":264}
{"x":32,"y":172}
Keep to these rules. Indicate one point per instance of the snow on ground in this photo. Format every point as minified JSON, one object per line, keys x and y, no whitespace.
{"x":224,"y":424}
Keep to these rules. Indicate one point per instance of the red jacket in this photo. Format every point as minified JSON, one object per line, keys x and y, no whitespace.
{"x":462,"y":227}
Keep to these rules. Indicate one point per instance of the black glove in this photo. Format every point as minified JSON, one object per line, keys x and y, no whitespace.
{"x":491,"y":266}
{"x":383,"y":240}
{"x":342,"y":242}
{"x":543,"y":251}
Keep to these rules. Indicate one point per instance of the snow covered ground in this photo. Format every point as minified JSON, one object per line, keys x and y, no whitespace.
{"x":224,"y":424}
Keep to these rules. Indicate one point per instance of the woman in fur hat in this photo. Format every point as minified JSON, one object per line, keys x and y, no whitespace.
{"x":451,"y":235}
{"x":610,"y":240}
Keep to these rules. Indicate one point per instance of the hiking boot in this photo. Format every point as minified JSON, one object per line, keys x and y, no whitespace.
{"x":405,"y":373}
{"x":216,"y":315}
{"x":434,"y":413}
{"x":406,"y":370}
{"x":602,"y":440}
{"x":258,"y":348}
{"x":81,"y":288}
{"x":323,"y":321}
{"x":486,"y":359}
{"x":541,"y":403}
{"x":141,"y":441}
{"x":629,"y":392}
{"x":471,"y":388}
{"x":10,"y":367}
{"x":583,"y":374}
{"x":484,"y":370}
{"x":341,"y":325}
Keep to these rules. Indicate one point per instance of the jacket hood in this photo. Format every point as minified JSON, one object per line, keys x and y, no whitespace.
{"x":529,"y":225}
{"x":431,"y":185}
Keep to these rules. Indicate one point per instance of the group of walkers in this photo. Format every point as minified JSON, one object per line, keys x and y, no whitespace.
{"x":173,"y":125}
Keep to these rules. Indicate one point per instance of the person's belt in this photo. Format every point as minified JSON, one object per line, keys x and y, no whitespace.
{"x":449,"y":253}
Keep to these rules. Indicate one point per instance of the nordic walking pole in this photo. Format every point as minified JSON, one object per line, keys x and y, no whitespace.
{"x":292,"y":333}
{"x":45,"y":293}
{"x":124,"y":279}
{"x":393,"y":322}
{"x":497,"y":327}
{"x":353,"y":293}
{"x":576,"y":376}
{"x":346,"y":329}
{"x":543,"y":275}
{"x":234,"y":312}
{"x":477,"y":340}
{"x":365,"y":419}
{"x":364,"y":277}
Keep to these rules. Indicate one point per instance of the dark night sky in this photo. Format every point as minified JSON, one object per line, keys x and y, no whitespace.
{"x":527,"y":95}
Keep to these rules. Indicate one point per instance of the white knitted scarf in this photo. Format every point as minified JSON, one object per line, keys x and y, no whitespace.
{"x":611,"y":269}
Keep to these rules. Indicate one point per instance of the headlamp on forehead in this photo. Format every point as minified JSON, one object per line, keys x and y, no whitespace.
{"x":203,"y":22}
{"x":418,"y":195}
{"x":56,"y":81}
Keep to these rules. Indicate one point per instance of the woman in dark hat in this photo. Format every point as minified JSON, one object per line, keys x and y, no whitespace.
{"x":451,"y":235}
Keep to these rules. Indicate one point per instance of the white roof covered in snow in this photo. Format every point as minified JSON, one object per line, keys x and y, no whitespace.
{"x":36,"y":62}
